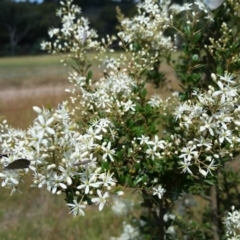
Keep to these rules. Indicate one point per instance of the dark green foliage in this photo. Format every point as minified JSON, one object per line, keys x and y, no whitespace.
{"x":27,"y":23}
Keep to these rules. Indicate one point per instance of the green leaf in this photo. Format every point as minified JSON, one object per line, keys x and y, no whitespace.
{"x":196,"y":37}
{"x":144,"y":93}
{"x":187,"y":30}
{"x":122,"y":180}
{"x":105,"y":165}
{"x":209,"y":182}
{"x":129,"y":181}
{"x":90,"y":74}
{"x":139,"y":179}
{"x":145,"y":179}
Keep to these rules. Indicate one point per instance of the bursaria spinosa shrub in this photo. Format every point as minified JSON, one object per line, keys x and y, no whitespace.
{"x":111,"y":136}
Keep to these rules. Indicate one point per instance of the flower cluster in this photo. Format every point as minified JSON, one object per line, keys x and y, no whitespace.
{"x":113,"y":92}
{"x":75,"y":37}
{"x":61,"y":157}
{"x":210,"y":124}
{"x":232,"y":224}
{"x":148,"y":25}
{"x":129,"y":232}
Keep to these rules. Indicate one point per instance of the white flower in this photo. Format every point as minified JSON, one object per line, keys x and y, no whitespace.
{"x":53,"y":31}
{"x":108,"y":152}
{"x":107,"y":179}
{"x":94,"y":134}
{"x":143,"y":139}
{"x":188,"y":153}
{"x":157,"y":143}
{"x":232,"y":223}
{"x":182,"y":109}
{"x":129,"y":105}
{"x":159,"y":190}
{"x":186,"y":6}
{"x":211,"y":166}
{"x":152,"y":153}
{"x":203,"y":172}
{"x":121,"y":207}
{"x":185,"y":166}
{"x":225,"y":135}
{"x":56,"y":183}
{"x":76,"y":208}
{"x":225,"y":91}
{"x":88,"y":183}
{"x":44,"y":45}
{"x":155,"y":100}
{"x":209,"y":125}
{"x":101,"y":200}
{"x":43,"y":126}
{"x":129,"y":233}
{"x":10,"y":178}
{"x":228,"y":77}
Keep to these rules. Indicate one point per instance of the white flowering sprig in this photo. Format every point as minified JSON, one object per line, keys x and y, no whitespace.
{"x":74,"y":38}
{"x":13,"y":147}
{"x":61,"y":158}
{"x":194,"y":26}
{"x":224,"y":48}
{"x":232,"y":224}
{"x":148,"y":25}
{"x":212,"y":124}
{"x":144,"y":41}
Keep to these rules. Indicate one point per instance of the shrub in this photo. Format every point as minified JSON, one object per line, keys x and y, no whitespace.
{"x":173,"y":152}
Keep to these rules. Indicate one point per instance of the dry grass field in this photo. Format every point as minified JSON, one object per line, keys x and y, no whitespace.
{"x":37,"y":214}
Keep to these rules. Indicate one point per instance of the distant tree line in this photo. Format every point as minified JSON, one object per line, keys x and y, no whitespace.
{"x":25,"y":24}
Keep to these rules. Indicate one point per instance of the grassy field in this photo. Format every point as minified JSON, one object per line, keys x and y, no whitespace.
{"x":29,"y":81}
{"x":31,"y":71}
{"x":37,"y":214}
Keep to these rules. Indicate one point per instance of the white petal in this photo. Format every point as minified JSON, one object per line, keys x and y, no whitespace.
{"x":41,"y":119}
{"x":203,"y":172}
{"x":101,"y":205}
{"x":14,"y":180}
{"x":62,"y":185}
{"x":2,"y":175}
{"x":40,"y":134}
{"x":69,"y":181}
{"x":37,"y":109}
{"x":50,"y":120}
{"x":50,"y":130}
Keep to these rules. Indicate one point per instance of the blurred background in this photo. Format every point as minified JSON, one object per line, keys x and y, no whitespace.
{"x":24,"y":24}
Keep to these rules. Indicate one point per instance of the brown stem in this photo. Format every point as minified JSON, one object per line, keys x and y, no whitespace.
{"x":162,"y":211}
{"x":214,"y":212}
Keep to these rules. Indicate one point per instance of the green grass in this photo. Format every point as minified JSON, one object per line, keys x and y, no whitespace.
{"x":35,"y":70}
{"x":29,"y":71}
{"x":32,"y":71}
{"x":37,"y":214}
{"x":44,"y":60}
